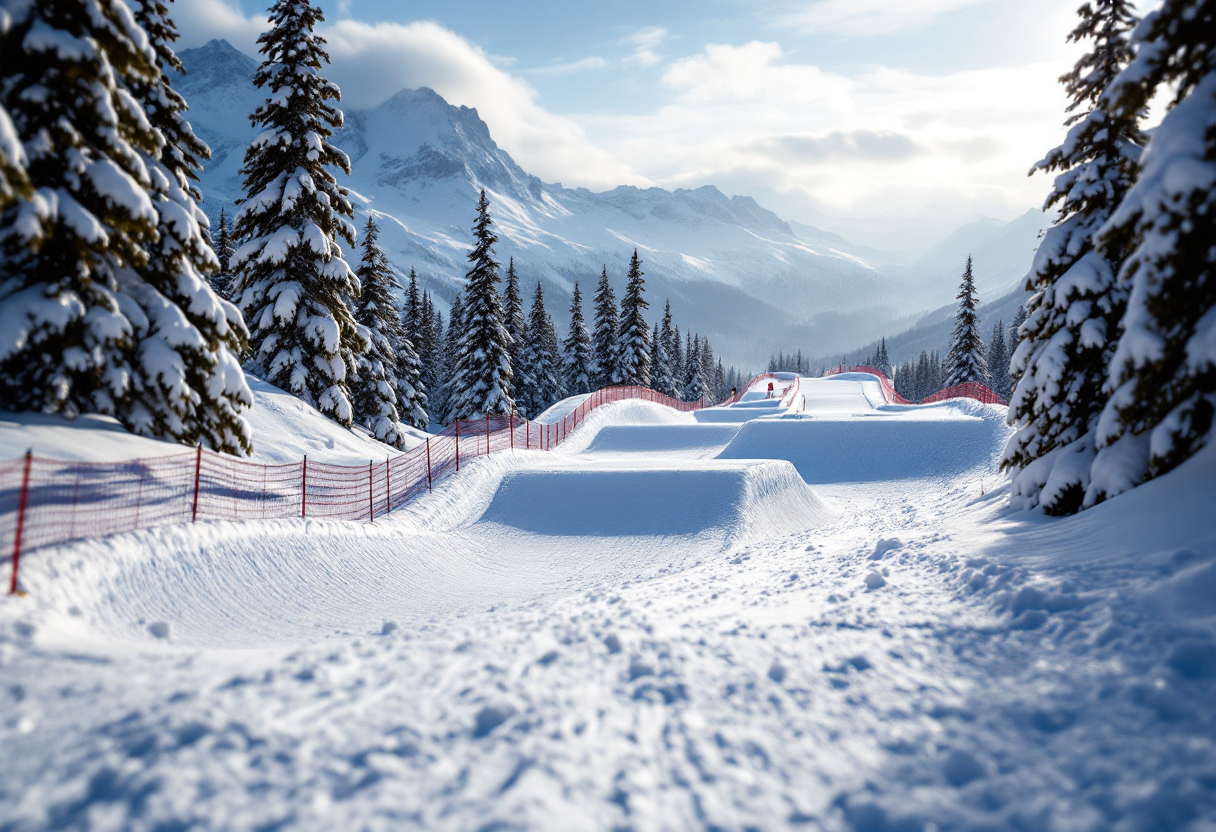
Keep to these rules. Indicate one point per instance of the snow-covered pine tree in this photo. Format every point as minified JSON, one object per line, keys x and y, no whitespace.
{"x":695,"y":388}
{"x":721,"y":391}
{"x":557,"y":367}
{"x":373,"y":389}
{"x":85,"y":213}
{"x":221,"y":279}
{"x":605,"y":332}
{"x":411,"y":313}
{"x":965,"y":361}
{"x":14,"y":181}
{"x":1163,"y":374}
{"x":663,"y":378}
{"x":633,"y":336}
{"x":449,"y":353}
{"x":884,"y":361}
{"x":513,"y":319}
{"x":578,"y":350}
{"x":1015,"y":329}
{"x":292,"y":283}
{"x":679,"y":358}
{"x":998,"y":361}
{"x":708,"y":362}
{"x":186,"y":381}
{"x":1077,"y":301}
{"x":482,"y":378}
{"x":539,"y":384}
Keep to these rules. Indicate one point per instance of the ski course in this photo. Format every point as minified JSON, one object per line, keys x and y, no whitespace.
{"x":800,"y":615}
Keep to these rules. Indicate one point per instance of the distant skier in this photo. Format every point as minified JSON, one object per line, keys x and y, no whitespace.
{"x":770,"y":391}
{"x":733,"y":393}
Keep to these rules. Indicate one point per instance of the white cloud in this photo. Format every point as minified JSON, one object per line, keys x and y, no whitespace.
{"x":593,"y":62}
{"x":859,"y":18}
{"x":372,"y":62}
{"x":880,"y":140}
{"x":644,"y":43}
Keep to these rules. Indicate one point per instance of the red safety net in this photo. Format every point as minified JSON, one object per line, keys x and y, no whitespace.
{"x":966,"y":390}
{"x":44,"y":502}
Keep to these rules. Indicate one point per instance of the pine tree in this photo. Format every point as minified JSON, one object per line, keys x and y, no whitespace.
{"x":482,"y":378}
{"x":695,"y":388}
{"x":541,"y":384}
{"x":186,"y":382}
{"x":679,"y":358}
{"x":965,"y":361}
{"x":449,"y":354}
{"x":1015,"y":331}
{"x":292,"y":282}
{"x":14,"y":180}
{"x":578,"y":350}
{"x":998,"y":361}
{"x":221,"y":279}
{"x":633,"y":337}
{"x":707,"y":365}
{"x":1163,"y":374}
{"x":604,"y":337}
{"x":513,"y":319}
{"x":374,"y":390}
{"x":664,"y":379}
{"x":78,"y":136}
{"x":412,"y":314}
{"x":1077,"y":304}
{"x":883,"y":365}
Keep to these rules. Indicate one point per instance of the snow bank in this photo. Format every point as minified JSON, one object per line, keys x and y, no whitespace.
{"x":881,"y":446}
{"x":721,"y":499}
{"x":630,"y":412}
{"x":284,"y":429}
{"x":659,"y":439}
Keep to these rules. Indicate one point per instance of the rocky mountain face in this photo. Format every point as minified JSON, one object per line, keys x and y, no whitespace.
{"x":732,"y":269}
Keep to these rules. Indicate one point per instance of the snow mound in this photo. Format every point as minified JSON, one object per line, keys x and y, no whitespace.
{"x":655,"y":439}
{"x":720,"y":499}
{"x":285,"y":428}
{"x":628,"y":412}
{"x":875,"y":448}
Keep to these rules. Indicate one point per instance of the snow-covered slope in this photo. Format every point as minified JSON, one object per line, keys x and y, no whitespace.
{"x":862,"y":654}
{"x":284,"y":430}
{"x":418,"y":163}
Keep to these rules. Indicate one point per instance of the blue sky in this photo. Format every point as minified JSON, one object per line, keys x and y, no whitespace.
{"x":847,"y":107}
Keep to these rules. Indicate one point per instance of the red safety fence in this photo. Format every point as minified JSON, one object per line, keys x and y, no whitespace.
{"x":44,"y":502}
{"x":966,"y":390}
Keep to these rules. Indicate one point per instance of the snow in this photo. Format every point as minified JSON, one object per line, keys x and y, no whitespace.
{"x":640,"y":630}
{"x":284,"y":430}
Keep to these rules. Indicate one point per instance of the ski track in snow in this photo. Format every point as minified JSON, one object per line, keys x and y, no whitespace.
{"x":884,"y":651}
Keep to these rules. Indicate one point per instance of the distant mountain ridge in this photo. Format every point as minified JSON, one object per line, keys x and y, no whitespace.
{"x":733,"y":270}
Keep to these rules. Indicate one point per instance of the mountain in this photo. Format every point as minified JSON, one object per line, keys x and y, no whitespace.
{"x":732,"y":269}
{"x":1002,"y":253}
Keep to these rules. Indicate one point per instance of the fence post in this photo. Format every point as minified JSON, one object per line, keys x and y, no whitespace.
{"x":371,"y":499}
{"x":21,"y":504}
{"x":428,"y":464}
{"x":198,"y":464}
{"x":304,"y":489}
{"x":457,"y":446}
{"x":487,"y":434}
{"x":388,"y":485}
{"x":527,"y":435}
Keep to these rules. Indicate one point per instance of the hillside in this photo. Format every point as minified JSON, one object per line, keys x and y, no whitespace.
{"x":418,"y":163}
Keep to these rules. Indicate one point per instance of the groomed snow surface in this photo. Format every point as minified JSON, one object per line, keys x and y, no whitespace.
{"x":819,"y":618}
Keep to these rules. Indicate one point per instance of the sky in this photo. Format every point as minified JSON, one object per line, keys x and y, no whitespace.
{"x":845,"y":108}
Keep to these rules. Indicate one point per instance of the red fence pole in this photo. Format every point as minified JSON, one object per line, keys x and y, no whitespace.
{"x":512,"y":430}
{"x":388,"y":486}
{"x":428,"y":464}
{"x":304,"y":489}
{"x":21,"y":504}
{"x":457,"y":445}
{"x":198,"y":464}
{"x":487,"y":434}
{"x":371,"y":494}
{"x":527,"y":435}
